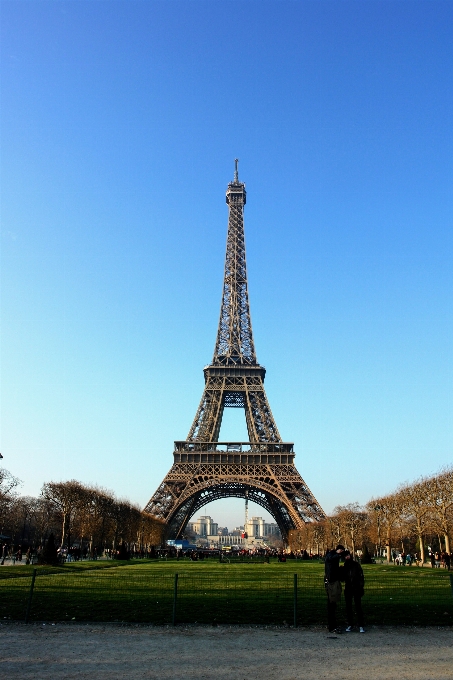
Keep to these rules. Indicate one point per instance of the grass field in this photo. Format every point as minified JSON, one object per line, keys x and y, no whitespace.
{"x":209,"y":592}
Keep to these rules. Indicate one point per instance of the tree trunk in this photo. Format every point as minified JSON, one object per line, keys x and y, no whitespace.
{"x":387,"y":546}
{"x":422,"y":547}
{"x":63,"y":529}
{"x":447,"y":543}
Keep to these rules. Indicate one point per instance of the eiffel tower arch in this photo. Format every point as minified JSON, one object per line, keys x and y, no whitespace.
{"x":261,"y":469}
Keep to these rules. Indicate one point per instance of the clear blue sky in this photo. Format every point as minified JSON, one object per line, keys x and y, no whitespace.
{"x":120,"y":123}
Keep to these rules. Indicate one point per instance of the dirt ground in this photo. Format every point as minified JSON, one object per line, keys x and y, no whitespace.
{"x":104,"y":652}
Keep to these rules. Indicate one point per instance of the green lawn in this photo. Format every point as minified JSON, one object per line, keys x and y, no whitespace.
{"x":209,"y":592}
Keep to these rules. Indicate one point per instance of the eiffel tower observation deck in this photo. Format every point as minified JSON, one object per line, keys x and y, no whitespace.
{"x":261,"y":469}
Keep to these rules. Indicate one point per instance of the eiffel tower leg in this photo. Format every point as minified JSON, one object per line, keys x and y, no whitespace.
{"x":186,"y":516}
{"x":208,"y":419}
{"x":260,"y":421}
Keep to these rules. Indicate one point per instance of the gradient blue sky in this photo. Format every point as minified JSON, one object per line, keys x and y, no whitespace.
{"x":120,"y":123}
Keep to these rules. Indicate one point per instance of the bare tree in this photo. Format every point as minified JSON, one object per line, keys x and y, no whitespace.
{"x":335,"y":529}
{"x":298,"y":539}
{"x":153,"y":530}
{"x":126,"y":522}
{"x":8,"y":486}
{"x":318,"y":531}
{"x":20,"y":516}
{"x":386,"y":510}
{"x":415,"y":509}
{"x":92,"y":519}
{"x":67,"y":498}
{"x":43,"y":519}
{"x":352,"y":520}
{"x":439,"y":497}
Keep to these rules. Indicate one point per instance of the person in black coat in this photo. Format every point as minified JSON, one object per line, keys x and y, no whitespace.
{"x":354,"y":583}
{"x":332,"y":575}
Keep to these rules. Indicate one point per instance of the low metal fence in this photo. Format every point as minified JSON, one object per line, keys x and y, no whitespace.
{"x":137,"y":594}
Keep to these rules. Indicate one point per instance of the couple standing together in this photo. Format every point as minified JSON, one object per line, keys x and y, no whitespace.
{"x":352,"y":575}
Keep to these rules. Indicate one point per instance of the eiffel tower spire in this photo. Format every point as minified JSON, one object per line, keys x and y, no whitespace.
{"x":262,"y":469}
{"x":234,"y":343}
{"x":234,"y":378}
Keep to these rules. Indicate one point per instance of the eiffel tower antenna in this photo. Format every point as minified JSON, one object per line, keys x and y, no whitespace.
{"x":262,"y":469}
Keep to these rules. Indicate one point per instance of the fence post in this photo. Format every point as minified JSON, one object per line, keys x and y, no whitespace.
{"x":295,"y":600}
{"x":30,"y":596}
{"x":175,"y":596}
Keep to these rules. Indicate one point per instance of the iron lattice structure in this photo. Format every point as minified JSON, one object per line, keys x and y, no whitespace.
{"x":261,"y":469}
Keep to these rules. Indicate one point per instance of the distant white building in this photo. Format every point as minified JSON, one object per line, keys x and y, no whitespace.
{"x":219,"y":541}
{"x":204,"y":526}
{"x":258,"y":528}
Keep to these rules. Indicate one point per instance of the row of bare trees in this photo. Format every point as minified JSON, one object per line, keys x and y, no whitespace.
{"x":422,"y":510}
{"x":412,"y":517}
{"x":415,"y":515}
{"x":77,"y":514}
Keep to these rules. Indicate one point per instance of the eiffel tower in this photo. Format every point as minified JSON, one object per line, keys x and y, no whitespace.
{"x":261,"y":469}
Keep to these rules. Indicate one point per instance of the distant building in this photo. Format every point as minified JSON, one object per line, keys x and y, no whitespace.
{"x":219,"y":541}
{"x":204,"y":526}
{"x":208,"y":530}
{"x":258,"y":528}
{"x":238,"y":531}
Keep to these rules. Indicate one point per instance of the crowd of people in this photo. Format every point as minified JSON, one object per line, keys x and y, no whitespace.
{"x":438,"y":559}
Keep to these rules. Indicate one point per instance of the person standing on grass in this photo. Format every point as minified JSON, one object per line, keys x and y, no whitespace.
{"x":332,"y":575}
{"x":354,"y":583}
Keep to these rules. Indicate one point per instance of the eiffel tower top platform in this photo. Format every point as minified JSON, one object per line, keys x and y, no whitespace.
{"x":262,"y":469}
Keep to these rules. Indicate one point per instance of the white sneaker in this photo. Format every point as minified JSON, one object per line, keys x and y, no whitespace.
{"x":349,"y":629}
{"x":361,"y":630}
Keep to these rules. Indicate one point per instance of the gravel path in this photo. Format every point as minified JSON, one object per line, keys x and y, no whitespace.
{"x":104,"y":652}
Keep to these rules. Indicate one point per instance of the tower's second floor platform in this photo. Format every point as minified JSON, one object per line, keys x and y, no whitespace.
{"x":243,"y":453}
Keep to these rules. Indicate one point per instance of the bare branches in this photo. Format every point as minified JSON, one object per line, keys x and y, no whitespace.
{"x":415,"y":516}
{"x":79,"y":516}
{"x":67,"y":498}
{"x":94,"y":514}
{"x":8,"y":486}
{"x":351,"y":522}
{"x":416,"y":510}
{"x":438,"y":492}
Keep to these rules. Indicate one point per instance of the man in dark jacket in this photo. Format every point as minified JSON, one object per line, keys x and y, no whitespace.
{"x":333,"y":586}
{"x":354,"y":582}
